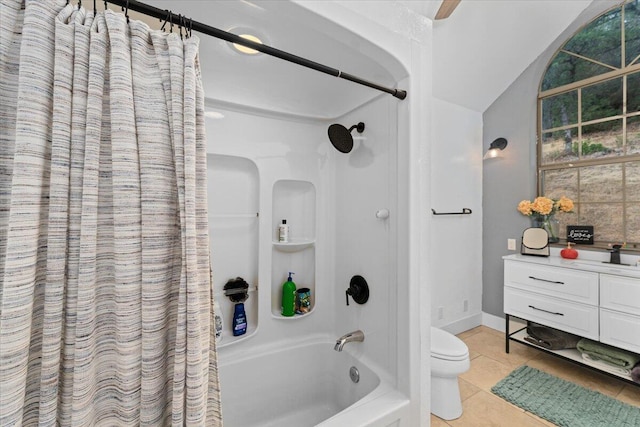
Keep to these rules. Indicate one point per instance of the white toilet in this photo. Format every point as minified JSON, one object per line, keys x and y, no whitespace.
{"x":449,"y":358}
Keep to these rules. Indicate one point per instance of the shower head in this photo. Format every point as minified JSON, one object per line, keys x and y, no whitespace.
{"x":341,"y":137}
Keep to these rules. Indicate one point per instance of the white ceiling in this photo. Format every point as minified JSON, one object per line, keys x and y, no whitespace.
{"x":486,"y":44}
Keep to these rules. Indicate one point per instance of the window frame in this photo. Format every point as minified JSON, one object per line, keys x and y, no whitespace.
{"x":578,"y":86}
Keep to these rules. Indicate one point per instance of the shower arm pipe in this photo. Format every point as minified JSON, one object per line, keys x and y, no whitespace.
{"x":233,"y":38}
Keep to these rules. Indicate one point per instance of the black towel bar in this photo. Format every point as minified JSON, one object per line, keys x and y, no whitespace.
{"x":465,"y":211}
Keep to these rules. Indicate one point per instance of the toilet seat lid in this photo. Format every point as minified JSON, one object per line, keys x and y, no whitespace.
{"x":447,"y":346}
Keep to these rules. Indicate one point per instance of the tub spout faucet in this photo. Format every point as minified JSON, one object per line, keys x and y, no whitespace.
{"x":350,"y":337}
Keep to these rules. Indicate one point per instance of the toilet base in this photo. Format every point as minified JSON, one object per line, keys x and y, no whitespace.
{"x":445,"y":398}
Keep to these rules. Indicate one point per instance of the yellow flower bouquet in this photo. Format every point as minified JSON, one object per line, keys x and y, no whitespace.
{"x":542,"y":212}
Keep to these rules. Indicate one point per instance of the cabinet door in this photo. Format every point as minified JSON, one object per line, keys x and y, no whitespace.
{"x":620,"y":293}
{"x":567,"y":283}
{"x":620,"y":330}
{"x":576,"y":318}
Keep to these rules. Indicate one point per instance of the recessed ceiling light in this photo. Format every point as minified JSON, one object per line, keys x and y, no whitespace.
{"x":244,"y":49}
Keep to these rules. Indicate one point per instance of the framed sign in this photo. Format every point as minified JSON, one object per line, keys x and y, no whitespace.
{"x":582,"y":234}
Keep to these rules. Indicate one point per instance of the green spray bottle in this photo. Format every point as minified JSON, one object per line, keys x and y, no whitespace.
{"x":289,"y":297}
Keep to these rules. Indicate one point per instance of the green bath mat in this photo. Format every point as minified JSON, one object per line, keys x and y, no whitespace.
{"x":562,"y":402}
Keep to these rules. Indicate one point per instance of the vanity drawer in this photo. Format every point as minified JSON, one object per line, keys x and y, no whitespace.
{"x":620,"y":330}
{"x":576,"y":318}
{"x":574,"y":285}
{"x":620,"y":293}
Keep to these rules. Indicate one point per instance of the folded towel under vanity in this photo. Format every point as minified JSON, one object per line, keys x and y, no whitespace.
{"x":550,"y":338}
{"x":601,"y":364}
{"x":607,"y":353}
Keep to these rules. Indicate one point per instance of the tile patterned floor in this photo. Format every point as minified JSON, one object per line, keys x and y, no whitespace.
{"x":489,"y":364}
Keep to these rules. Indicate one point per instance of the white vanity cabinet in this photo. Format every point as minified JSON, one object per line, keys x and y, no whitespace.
{"x":591,"y":299}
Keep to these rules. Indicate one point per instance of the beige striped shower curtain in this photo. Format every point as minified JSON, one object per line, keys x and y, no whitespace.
{"x":105,"y":301}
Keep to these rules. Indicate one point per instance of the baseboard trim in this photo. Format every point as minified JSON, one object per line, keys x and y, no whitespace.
{"x":463,"y":324}
{"x":485,"y":319}
{"x":493,"y":322}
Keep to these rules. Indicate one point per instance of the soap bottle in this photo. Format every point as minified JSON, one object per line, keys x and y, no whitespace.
{"x":239,"y":320}
{"x":283,"y":232}
{"x":289,"y":297}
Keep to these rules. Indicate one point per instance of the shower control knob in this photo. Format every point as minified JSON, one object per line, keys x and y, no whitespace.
{"x":358,"y":289}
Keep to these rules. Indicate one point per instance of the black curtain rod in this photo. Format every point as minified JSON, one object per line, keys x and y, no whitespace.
{"x":167,"y":15}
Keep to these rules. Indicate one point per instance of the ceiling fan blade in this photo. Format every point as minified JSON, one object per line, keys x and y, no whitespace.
{"x":446,"y":8}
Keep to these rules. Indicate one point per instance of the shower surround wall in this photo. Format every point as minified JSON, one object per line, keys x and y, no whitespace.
{"x":366,"y":182}
{"x":349,"y":238}
{"x":344,"y":191}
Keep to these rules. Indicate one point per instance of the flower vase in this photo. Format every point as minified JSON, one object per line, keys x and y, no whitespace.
{"x":550,"y":224}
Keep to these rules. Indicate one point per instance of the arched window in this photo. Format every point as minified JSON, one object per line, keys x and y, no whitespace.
{"x":589,"y":126}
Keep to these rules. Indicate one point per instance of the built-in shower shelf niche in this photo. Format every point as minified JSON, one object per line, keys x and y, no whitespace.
{"x":228,"y":307}
{"x":293,"y":246}
{"x":233,"y":197}
{"x":302,"y":264}
{"x":295,"y":201}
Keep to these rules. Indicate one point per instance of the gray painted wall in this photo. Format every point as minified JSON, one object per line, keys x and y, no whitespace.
{"x":508,"y":180}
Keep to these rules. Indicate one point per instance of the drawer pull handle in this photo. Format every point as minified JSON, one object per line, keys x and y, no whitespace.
{"x":546,"y":311}
{"x":545,"y":280}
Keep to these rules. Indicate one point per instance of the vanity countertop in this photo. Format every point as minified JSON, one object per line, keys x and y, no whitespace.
{"x":579,"y":264}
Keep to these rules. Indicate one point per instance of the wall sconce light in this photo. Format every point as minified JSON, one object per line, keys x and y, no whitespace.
{"x":495,"y":148}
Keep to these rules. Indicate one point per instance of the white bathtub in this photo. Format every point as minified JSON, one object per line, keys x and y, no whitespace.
{"x":306,"y":385}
